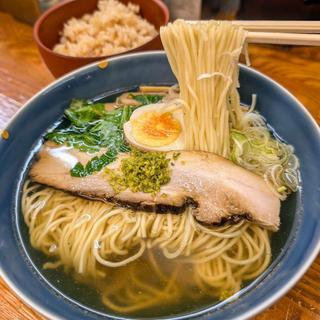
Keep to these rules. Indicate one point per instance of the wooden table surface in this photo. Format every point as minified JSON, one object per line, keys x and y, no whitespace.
{"x":22,"y":74}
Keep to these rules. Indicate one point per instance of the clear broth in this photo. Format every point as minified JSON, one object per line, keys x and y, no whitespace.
{"x":87,"y":292}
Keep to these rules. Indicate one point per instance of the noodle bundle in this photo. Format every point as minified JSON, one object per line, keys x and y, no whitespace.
{"x":88,"y":236}
{"x":204,"y":58}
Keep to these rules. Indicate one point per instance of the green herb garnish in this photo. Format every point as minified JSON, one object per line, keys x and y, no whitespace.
{"x":142,"y":171}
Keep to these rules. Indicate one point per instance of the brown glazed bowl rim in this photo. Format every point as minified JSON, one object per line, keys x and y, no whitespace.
{"x":56,"y":7}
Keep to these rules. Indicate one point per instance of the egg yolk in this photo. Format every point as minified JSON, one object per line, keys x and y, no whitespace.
{"x":155,"y":129}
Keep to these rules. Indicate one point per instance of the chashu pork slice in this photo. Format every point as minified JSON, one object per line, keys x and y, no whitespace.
{"x":218,"y":189}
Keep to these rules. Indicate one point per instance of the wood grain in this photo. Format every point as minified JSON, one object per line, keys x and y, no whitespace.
{"x":22,"y":74}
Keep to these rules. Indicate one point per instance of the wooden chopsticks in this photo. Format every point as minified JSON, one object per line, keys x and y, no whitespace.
{"x":302,"y":39}
{"x":305,"y":33}
{"x":280,"y":26}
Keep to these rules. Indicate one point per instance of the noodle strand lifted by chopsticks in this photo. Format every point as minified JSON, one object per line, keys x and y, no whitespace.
{"x":204,"y":58}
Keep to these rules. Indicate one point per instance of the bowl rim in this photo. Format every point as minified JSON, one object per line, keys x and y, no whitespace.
{"x":56,"y":7}
{"x":252,"y":311}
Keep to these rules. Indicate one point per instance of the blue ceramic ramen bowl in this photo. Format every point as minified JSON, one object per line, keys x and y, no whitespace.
{"x":294,"y":247}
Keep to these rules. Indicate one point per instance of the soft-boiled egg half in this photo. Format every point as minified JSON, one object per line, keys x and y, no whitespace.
{"x":156,"y":127}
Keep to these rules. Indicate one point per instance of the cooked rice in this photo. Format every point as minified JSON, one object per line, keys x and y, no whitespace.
{"x":111,"y":29}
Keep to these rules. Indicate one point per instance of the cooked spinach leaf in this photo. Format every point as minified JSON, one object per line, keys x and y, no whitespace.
{"x":82,"y":112}
{"x":147,"y":98}
{"x":91,"y":128}
{"x":94,"y":165}
{"x":83,"y":141}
